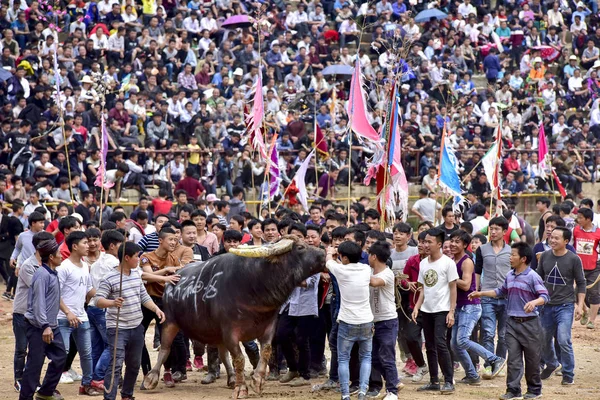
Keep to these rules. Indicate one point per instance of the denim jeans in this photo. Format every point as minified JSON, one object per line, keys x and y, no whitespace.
{"x":20,"y":332}
{"x":347,"y":336}
{"x":464,"y":322}
{"x":84,"y":346}
{"x":558,"y":321}
{"x":493,"y":315}
{"x":129,"y":350}
{"x":100,"y":353}
{"x":384,"y":353}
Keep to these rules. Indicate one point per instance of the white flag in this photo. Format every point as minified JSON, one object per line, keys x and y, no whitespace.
{"x":300,"y":183}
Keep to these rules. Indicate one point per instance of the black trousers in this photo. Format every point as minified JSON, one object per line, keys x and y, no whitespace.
{"x":38,"y":351}
{"x":177,"y":357}
{"x":296,"y":330}
{"x":320,"y":332}
{"x":436,"y":343}
{"x":523,"y":340}
{"x":412,"y":334}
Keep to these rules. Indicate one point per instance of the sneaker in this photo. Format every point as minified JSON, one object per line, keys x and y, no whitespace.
{"x":374,"y":393}
{"x":327,"y":385}
{"x":98,"y":385}
{"x":88,"y":391}
{"x":210,"y":378}
{"x":430,"y":387}
{"x":168,"y":378}
{"x":75,"y":375}
{"x":55,"y":396}
{"x":273,"y":376}
{"x":66,"y":378}
{"x":6,"y":296}
{"x":198,"y":363}
{"x":448,"y":388}
{"x":362,"y":396}
{"x":510,"y":396}
{"x":567,"y":381}
{"x":17,"y":386}
{"x":410,"y":368}
{"x":585,"y":318}
{"x":299,"y":381}
{"x":390,"y":396}
{"x":188,"y":366}
{"x":471,"y":381}
{"x":558,"y":371}
{"x":421,"y":371}
{"x":590,"y":325}
{"x":353,"y":389}
{"x":179,"y":377}
{"x":156,"y":346}
{"x":288,"y":377}
{"x":547,"y":372}
{"x":498,"y":366}
{"x":487,"y":372}
{"x":529,"y":396}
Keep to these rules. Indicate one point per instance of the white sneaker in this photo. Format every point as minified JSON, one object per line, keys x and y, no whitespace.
{"x":74,"y":375}
{"x":65,"y":377}
{"x":390,"y":396}
{"x":421,"y":371}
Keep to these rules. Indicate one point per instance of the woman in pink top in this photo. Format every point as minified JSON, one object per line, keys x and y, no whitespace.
{"x":205,"y":238}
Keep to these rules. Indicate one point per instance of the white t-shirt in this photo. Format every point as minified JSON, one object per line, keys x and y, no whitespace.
{"x":383,"y":300}
{"x":75,"y":283}
{"x":353,"y":281}
{"x":435,"y":278}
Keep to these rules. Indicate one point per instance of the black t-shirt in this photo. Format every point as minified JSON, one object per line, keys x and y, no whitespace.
{"x":448,"y":230}
{"x":17,"y":140}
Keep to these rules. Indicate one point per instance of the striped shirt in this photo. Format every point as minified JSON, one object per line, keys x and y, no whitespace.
{"x":149,"y":242}
{"x":134,"y":295}
{"x":521,"y":289}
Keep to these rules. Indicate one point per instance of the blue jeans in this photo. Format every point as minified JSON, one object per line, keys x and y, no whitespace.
{"x":464,"y":322}
{"x":129,"y":350}
{"x":100,"y":353}
{"x":347,"y":336}
{"x":558,"y":321}
{"x":493,"y":314}
{"x":384,"y":353}
{"x":20,"y":332}
{"x":84,"y":346}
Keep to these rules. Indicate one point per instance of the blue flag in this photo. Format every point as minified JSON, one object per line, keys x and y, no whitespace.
{"x":448,"y":174}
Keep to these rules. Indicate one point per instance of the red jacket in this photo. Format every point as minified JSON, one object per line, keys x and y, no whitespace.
{"x":411,"y":268}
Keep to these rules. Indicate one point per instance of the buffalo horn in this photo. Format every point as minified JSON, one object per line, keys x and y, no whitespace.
{"x":283,"y":246}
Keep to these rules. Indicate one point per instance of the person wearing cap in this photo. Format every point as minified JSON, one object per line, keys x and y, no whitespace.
{"x":43,"y":334}
{"x":582,"y":11}
{"x":538,"y":70}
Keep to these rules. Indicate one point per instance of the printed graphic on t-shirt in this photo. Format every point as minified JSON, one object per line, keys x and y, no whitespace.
{"x":431,"y":278}
{"x":555,"y":277}
{"x":584,"y":246}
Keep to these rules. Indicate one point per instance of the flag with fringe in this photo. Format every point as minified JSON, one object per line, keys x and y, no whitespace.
{"x":101,"y":173}
{"x":542,"y":151}
{"x":254,"y":120}
{"x":448,"y":177}
{"x":357,"y":108}
{"x":491,"y":163}
{"x":300,"y":178}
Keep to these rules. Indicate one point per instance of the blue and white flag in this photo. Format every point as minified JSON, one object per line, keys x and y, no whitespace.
{"x":449,"y":179}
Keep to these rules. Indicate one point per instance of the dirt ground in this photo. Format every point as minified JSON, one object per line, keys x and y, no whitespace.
{"x":587,"y":384}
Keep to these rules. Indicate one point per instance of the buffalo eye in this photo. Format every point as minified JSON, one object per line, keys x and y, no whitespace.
{"x":301,"y":247}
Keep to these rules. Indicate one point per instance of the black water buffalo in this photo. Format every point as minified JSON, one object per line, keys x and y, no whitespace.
{"x":231,"y":299}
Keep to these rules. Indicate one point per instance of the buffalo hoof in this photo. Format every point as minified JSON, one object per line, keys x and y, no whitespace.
{"x":150,"y":381}
{"x":240,"y":392}
{"x":231,"y":381}
{"x":258,"y":383}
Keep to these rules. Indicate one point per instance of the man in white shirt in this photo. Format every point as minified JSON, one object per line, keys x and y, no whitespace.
{"x":108,"y":261}
{"x":191,"y":24}
{"x":385,"y":317}
{"x":425,"y":207}
{"x":437,"y":301}
{"x":76,"y":290}
{"x":355,"y":317}
{"x":466,"y":9}
{"x":116,"y":46}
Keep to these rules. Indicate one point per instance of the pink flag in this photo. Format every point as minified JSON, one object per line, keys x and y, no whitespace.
{"x":254,"y":121}
{"x":357,"y":109}
{"x":542,"y":151}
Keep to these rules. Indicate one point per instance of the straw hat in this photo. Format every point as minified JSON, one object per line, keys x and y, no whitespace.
{"x":537,"y":60}
{"x":87,"y":79}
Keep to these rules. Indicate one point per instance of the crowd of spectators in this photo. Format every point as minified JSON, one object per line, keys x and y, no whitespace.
{"x":180,"y":79}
